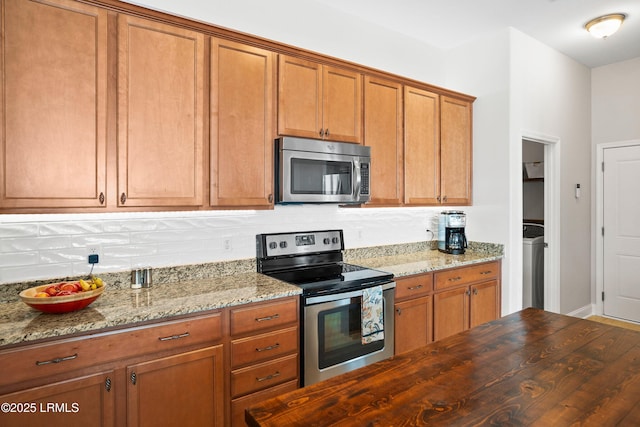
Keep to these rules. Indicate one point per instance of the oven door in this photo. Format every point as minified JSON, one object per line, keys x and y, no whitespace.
{"x":332,"y":337}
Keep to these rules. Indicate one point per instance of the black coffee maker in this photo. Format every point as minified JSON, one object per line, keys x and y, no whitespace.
{"x":451,"y":236}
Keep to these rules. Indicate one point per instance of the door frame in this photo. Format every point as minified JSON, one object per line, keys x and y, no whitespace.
{"x":599,"y":219}
{"x":551,"y":217}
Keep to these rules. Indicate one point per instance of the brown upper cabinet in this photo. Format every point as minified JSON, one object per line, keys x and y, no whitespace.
{"x":160,"y":114}
{"x":319,"y":101}
{"x":421,"y":147}
{"x":54,"y":109}
{"x":242,"y":124}
{"x":437,"y":148}
{"x":383,"y":133}
{"x":455,"y":151}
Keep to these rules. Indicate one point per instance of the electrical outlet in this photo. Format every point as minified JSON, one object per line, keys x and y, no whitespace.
{"x":226,"y":244}
{"x":94,"y":253}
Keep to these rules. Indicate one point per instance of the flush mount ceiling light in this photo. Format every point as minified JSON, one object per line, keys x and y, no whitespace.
{"x":603,"y":26}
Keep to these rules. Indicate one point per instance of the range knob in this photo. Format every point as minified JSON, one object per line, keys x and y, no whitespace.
{"x":335,"y":240}
{"x":283,"y":244}
{"x":273,"y":245}
{"x":326,"y":241}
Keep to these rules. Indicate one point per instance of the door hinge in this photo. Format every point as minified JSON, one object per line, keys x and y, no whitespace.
{"x":602,"y":295}
{"x":602,"y":231}
{"x":602,"y":166}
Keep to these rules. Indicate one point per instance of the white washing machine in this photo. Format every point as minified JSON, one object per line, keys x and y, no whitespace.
{"x":533,"y":265}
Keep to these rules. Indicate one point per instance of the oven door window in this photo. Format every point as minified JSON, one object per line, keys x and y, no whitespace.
{"x":311,"y":176}
{"x":340,"y":335}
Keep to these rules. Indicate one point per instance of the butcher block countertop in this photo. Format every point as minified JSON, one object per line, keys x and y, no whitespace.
{"x":528,"y":368}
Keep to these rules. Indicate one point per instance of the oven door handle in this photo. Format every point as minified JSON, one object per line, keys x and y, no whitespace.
{"x":344,"y":295}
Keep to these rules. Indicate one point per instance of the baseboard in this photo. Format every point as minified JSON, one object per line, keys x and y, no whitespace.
{"x":584,"y":312}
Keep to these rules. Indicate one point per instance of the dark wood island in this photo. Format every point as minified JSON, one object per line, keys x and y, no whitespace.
{"x":528,"y":368}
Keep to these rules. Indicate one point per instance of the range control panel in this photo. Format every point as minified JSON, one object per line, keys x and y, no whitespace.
{"x":282,"y":244}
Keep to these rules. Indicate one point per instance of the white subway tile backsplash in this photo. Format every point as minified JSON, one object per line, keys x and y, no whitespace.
{"x":18,"y":230}
{"x":34,"y":247}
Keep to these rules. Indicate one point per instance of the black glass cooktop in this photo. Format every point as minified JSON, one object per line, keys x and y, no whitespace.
{"x":332,"y":278}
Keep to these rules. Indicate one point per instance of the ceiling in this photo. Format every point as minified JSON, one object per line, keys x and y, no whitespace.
{"x":559,"y":24}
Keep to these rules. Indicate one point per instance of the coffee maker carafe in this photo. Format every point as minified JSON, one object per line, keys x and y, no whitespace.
{"x":451,"y":236}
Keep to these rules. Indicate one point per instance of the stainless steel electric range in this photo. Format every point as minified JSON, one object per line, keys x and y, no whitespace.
{"x":332,"y":300}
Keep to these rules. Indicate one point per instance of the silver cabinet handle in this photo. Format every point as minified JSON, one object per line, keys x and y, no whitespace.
{"x":486,"y":272}
{"x":174,"y":337}
{"x":455,"y":279}
{"x":271,"y":347}
{"x":413,"y":288}
{"x":269,"y":377}
{"x":264,"y":319}
{"x":57,"y":360}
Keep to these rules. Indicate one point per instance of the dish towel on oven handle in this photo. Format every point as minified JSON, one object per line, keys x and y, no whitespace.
{"x":372,"y":315}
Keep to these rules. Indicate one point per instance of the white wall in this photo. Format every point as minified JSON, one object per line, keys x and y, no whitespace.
{"x":616,"y":102}
{"x":551,"y":96}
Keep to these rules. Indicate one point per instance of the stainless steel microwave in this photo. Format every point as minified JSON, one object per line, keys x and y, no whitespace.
{"x":311,"y":171}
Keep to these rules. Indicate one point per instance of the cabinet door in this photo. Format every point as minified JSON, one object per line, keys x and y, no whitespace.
{"x":83,"y":401}
{"x":485,"y":303}
{"x":53,"y":117}
{"x":160,"y":114}
{"x":413,"y":324}
{"x":299,"y":97}
{"x":450,"y":312}
{"x":242,"y":125}
{"x":421,"y":147}
{"x":383,"y":133}
{"x":181,"y":390}
{"x":455,"y":151}
{"x":342,"y":105}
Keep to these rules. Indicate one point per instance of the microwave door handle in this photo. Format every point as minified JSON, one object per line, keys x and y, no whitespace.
{"x":358,"y":183}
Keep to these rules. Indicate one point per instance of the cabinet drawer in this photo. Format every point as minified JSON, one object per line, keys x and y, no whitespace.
{"x":39,"y":361}
{"x":258,"y":377}
{"x":465,"y":275}
{"x":263,"y":347}
{"x":413,"y":286}
{"x":174,"y":334}
{"x":264,"y":316}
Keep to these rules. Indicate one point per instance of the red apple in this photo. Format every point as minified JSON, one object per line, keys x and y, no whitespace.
{"x":71,"y":287}
{"x":52,"y":290}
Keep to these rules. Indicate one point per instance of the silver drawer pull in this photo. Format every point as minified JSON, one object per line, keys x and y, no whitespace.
{"x":174,"y":337}
{"x":413,"y":288}
{"x":57,"y":360}
{"x":455,"y":279}
{"x":271,"y":347}
{"x":268,"y":377}
{"x":486,"y":272}
{"x":263,"y":319}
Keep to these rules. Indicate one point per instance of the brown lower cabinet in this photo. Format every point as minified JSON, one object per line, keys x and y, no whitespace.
{"x":83,"y":401}
{"x":432,"y":306}
{"x":183,"y":389}
{"x":201,"y":370}
{"x":465,"y":297}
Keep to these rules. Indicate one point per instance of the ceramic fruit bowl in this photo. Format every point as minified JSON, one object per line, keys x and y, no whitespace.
{"x":64,"y":303}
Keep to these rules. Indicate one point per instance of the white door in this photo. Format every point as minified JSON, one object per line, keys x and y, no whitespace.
{"x":621,"y":216}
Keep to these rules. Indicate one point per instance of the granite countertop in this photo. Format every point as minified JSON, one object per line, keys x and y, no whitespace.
{"x":425,"y":261}
{"x":187,"y":290}
{"x":119,"y":307}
